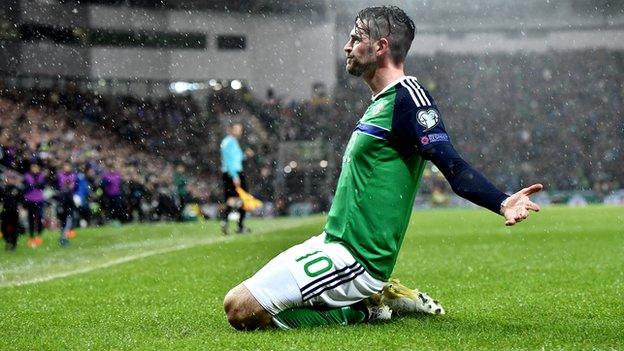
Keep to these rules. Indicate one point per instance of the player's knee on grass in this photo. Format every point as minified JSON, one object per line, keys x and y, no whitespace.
{"x":243,"y":311}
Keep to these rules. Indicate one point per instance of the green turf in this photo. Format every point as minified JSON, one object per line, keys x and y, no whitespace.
{"x":553,"y":282}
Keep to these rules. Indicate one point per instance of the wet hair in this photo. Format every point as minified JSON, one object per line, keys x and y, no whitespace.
{"x":388,"y":22}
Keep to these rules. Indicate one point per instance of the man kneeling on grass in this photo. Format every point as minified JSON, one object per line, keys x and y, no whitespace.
{"x":342,"y":275}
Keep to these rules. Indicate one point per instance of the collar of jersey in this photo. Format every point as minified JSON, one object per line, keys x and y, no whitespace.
{"x":388,"y":87}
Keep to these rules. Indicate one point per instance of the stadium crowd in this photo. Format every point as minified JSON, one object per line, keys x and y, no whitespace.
{"x":53,"y":151}
{"x":554,"y":117}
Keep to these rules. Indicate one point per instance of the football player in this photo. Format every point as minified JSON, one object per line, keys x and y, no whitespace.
{"x":342,"y":275}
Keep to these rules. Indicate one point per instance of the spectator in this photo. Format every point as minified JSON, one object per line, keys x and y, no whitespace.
{"x":34,"y":183}
{"x":81,"y":197}
{"x":65,"y":210}
{"x":180,"y":181}
{"x":11,"y":197}
{"x":137,"y":194}
{"x":113,"y":196}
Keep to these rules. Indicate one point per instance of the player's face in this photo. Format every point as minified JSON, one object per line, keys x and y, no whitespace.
{"x":360,"y":55}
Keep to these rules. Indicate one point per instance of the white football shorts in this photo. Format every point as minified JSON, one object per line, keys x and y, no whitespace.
{"x":313,"y":273}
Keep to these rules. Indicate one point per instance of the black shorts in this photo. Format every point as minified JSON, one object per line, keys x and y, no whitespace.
{"x":228,"y":185}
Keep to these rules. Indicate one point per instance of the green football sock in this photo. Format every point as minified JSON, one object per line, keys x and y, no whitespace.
{"x":302,"y":317}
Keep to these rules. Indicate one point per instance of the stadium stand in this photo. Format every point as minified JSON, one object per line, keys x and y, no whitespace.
{"x":52,"y":127}
{"x":503,"y":110}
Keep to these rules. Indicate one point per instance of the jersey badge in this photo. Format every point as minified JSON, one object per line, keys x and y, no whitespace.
{"x":428,"y":118}
{"x":378,"y":108}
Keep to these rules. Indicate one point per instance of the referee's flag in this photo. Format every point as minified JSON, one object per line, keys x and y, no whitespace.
{"x":250,"y":203}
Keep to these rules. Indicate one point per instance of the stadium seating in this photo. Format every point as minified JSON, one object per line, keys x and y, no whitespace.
{"x":504,"y":112}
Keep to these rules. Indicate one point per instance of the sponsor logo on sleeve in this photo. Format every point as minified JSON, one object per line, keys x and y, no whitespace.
{"x":428,"y":118}
{"x":434,"y":138}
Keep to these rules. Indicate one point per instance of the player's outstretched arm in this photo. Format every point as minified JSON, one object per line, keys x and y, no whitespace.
{"x":516,"y":207}
{"x":473,"y":186}
{"x":422,"y":127}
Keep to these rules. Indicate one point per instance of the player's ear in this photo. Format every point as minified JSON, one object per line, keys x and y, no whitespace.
{"x":383,"y":46}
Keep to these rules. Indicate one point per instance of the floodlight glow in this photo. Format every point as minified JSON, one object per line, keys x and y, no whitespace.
{"x":236,"y":84}
{"x":180,"y":87}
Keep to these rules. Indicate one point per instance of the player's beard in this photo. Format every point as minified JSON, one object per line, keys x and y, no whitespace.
{"x":358,"y":68}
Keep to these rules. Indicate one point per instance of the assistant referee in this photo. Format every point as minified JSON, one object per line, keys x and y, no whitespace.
{"x":232,"y":157}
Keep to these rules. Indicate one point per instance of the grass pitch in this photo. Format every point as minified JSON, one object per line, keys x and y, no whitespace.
{"x":553,"y":282}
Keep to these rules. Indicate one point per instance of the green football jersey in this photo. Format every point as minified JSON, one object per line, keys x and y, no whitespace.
{"x":381,"y":171}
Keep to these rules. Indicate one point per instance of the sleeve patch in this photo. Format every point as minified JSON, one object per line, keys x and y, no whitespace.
{"x":433,"y":138}
{"x":428,"y":118}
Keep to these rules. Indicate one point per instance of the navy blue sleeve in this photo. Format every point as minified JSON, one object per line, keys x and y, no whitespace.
{"x":420,"y":129}
{"x":465,"y":180}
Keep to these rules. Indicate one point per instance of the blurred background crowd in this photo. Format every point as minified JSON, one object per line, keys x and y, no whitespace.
{"x":554,"y":117}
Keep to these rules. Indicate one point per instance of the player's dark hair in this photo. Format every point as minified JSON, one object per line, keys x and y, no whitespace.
{"x":388,"y":22}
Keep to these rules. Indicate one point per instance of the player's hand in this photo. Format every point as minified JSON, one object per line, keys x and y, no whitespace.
{"x":516,"y":207}
{"x":236,"y":182}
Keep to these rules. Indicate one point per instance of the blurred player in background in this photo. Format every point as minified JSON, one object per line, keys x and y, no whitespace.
{"x":81,"y":196}
{"x":34,"y":183}
{"x":342,"y":276}
{"x":232,"y":157}
{"x":11,"y":197}
{"x":180,"y":181}
{"x":113,"y":195}
{"x":66,"y":180}
{"x":137,"y":192}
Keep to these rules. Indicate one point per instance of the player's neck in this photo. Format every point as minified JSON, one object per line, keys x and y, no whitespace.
{"x":382,"y":77}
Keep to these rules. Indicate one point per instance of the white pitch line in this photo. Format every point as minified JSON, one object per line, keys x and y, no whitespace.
{"x":120,"y":260}
{"x":107,"y":264}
